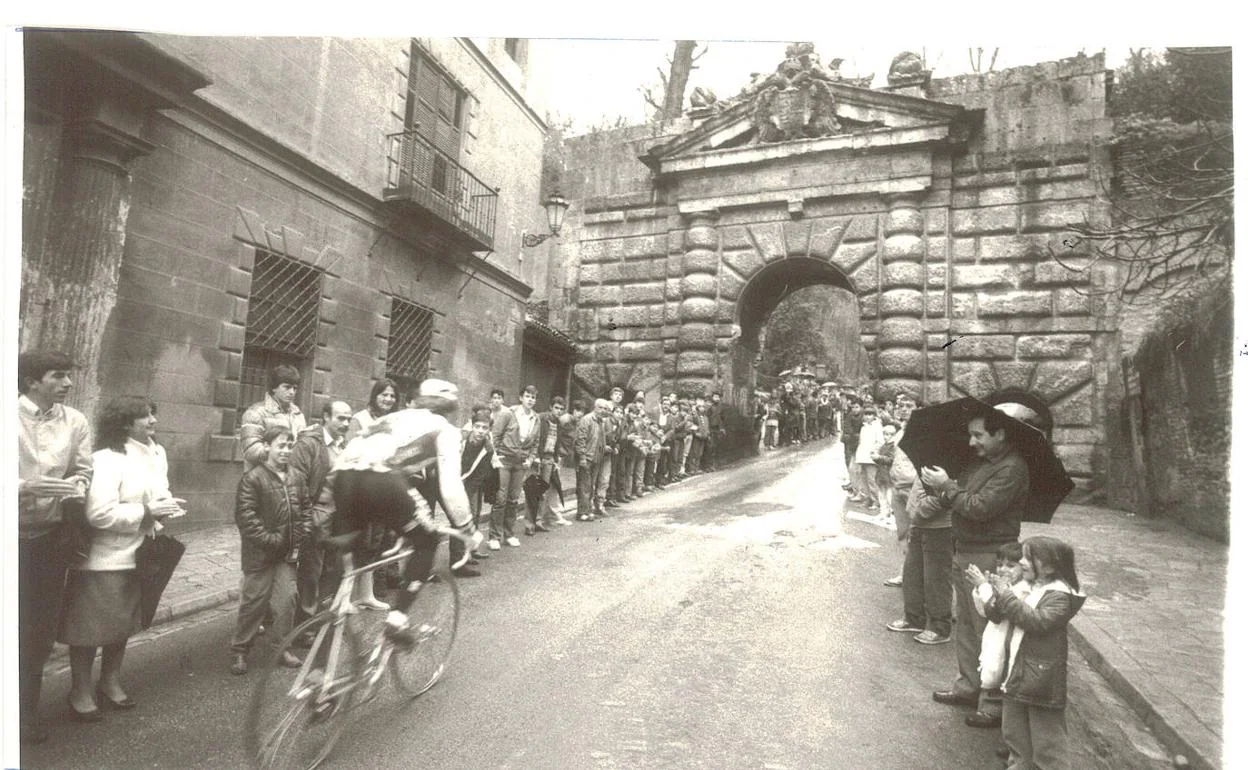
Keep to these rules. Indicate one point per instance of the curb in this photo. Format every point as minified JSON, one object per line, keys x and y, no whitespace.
{"x":1169,"y":719}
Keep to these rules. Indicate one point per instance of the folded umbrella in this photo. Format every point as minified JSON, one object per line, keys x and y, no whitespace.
{"x":534,"y":487}
{"x":155,"y":562}
{"x":937,"y":435}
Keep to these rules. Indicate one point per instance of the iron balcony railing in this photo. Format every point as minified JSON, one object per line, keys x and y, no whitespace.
{"x":417,"y":171}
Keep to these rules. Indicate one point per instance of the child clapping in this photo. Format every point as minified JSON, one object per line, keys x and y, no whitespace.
{"x":993,"y":651}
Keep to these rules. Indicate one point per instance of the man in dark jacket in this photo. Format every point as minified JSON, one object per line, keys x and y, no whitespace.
{"x":986,"y":503}
{"x":715,"y":421}
{"x":272,"y":528}
{"x":310,"y":461}
{"x":549,"y":427}
{"x":590,"y":457}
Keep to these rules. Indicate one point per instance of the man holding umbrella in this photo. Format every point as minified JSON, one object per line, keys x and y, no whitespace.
{"x":987,"y":502}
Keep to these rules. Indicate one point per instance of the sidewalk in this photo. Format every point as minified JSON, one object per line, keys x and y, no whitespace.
{"x":1152,"y":624}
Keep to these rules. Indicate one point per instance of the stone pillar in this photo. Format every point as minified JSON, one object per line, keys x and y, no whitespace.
{"x":70,"y":282}
{"x":901,"y":339}
{"x":695,"y":359}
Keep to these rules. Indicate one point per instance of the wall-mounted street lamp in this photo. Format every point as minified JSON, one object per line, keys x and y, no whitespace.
{"x":556,"y":205}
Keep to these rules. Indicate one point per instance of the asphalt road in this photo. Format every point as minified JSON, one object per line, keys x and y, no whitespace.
{"x":727,"y":622}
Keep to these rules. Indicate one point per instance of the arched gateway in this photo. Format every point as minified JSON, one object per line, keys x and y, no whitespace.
{"x":939,"y":204}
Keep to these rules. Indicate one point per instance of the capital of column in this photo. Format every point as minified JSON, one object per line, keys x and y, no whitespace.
{"x":98,"y":142}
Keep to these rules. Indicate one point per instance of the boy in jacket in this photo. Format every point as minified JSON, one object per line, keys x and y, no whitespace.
{"x":272,"y":527}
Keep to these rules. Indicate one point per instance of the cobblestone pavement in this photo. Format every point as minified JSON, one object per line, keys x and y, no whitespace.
{"x":1152,"y":625}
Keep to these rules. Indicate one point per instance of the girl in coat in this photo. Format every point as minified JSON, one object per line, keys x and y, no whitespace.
{"x":1033,"y":720}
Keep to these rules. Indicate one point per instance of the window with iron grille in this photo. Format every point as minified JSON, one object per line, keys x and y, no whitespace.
{"x":410,"y":345}
{"x":282,"y":315}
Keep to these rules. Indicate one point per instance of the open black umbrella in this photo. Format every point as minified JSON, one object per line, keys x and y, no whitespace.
{"x":936,"y":435}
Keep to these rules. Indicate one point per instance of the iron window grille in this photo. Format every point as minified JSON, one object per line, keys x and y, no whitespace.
{"x":411,"y":343}
{"x":282,"y":315}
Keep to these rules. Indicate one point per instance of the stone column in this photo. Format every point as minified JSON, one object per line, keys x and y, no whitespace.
{"x":695,"y":360}
{"x":70,"y":283}
{"x":901,"y":340}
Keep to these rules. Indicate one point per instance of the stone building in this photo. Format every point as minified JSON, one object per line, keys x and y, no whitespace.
{"x":938,"y":203}
{"x":197,"y":209}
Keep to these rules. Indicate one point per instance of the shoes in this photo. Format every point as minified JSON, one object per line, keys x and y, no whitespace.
{"x":931,"y":637}
{"x":584,"y":517}
{"x":513,"y":542}
{"x":121,"y":705}
{"x":92,"y":715}
{"x":611,"y":504}
{"x":473,"y":562}
{"x":238,"y":664}
{"x":34,"y":733}
{"x":563,"y":522}
{"x":371,"y":604}
{"x":465,"y":572}
{"x":893,"y":582}
{"x":289,"y":660}
{"x":528,"y":530}
{"x":955,"y":698}
{"x":480,"y":555}
{"x":401,"y":635}
{"x":1003,"y":752}
{"x":494,"y":544}
{"x":980,"y":719}
{"x":541,"y":527}
{"x":903,"y":626}
{"x":262,"y":630}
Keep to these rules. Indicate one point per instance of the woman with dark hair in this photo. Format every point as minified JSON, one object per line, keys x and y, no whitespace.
{"x":383,"y":399}
{"x":128,"y":498}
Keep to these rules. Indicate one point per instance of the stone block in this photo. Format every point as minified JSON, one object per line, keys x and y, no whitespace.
{"x":1069,"y":435}
{"x":904,"y":246}
{"x":698,"y":309}
{"x":973,"y":378}
{"x":1071,"y":302}
{"x":797,"y":238}
{"x":701,"y":236}
{"x":746,"y":263}
{"x":936,"y":275}
{"x":232,"y":337}
{"x":994,"y":219}
{"x":669,"y":366}
{"x":1014,"y":303}
{"x":237,"y":282}
{"x":901,"y":331}
{"x":903,"y":220}
{"x":692,"y":386}
{"x":769,"y":238}
{"x":1052,"y":273}
{"x":895,"y":385}
{"x":696,"y":336}
{"x":982,"y":347}
{"x":935,"y":304}
{"x":863,"y":227}
{"x":1054,"y":346}
{"x":695,"y":362}
{"x":901,"y":302}
{"x":964,"y":250}
{"x":1076,"y":458}
{"x":618,"y":374}
{"x":233,"y":366}
{"x":640,"y":351}
{"x":1014,"y":374}
{"x":936,"y":362}
{"x":1002,"y":276}
{"x":735,"y":238}
{"x":900,"y":275}
{"x":600,"y":295}
{"x":604,"y":352}
{"x":222,"y":448}
{"x":699,"y":261}
{"x":866,"y":277}
{"x":962,"y":305}
{"x":634,"y":271}
{"x":639,"y":293}
{"x":725,"y":314}
{"x":594,"y":251}
{"x":671,"y":313}
{"x":937,"y":245}
{"x":937,"y":220}
{"x":1054,"y":379}
{"x":671,"y":289}
{"x":626,"y":316}
{"x":1028,"y":247}
{"x":238,"y":311}
{"x":730,"y":286}
{"x":225,"y":393}
{"x":1075,"y":409}
{"x":826,"y":236}
{"x":698,"y":284}
{"x":900,"y":362}
{"x":999,"y":196}
{"x":1054,"y":215}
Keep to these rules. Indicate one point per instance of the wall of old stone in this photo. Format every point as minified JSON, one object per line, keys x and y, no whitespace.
{"x":969,"y":258}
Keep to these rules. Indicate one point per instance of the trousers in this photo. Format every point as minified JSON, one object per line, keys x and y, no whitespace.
{"x":970,"y":626}
{"x":270,"y":588}
{"x":1035,"y":736}
{"x":925,"y":576}
{"x":317,"y":575}
{"x":41,"y":566}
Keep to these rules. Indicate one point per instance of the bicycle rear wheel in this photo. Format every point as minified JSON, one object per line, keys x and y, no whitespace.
{"x":435,"y":618}
{"x":293,"y":722}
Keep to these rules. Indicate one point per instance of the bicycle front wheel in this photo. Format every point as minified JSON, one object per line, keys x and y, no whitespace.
{"x":434,"y":617}
{"x":294,"y":719}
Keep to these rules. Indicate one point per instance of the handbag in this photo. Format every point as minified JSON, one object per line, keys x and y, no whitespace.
{"x":155,"y":561}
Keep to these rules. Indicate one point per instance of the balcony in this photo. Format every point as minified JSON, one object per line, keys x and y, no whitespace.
{"x":429,"y":183}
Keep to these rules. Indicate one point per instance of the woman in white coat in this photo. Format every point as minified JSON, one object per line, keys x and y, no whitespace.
{"x":128,"y":497}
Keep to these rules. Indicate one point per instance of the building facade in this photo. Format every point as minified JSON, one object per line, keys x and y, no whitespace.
{"x":198,"y":209}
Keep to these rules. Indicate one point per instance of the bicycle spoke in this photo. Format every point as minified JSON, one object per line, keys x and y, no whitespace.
{"x":435,"y":617}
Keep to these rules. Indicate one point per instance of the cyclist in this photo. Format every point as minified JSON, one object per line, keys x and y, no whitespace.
{"x":376,"y":479}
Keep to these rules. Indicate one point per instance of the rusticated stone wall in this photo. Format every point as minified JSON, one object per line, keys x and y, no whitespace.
{"x":949,"y":250}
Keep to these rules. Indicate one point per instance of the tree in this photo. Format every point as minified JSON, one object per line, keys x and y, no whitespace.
{"x":674,"y":81}
{"x":977,"y":59}
{"x":1171,"y":227}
